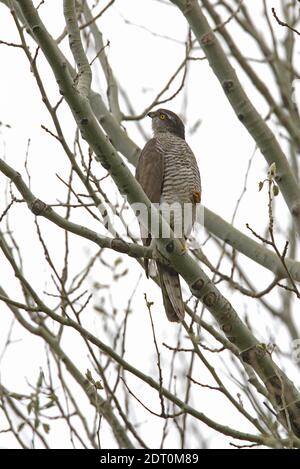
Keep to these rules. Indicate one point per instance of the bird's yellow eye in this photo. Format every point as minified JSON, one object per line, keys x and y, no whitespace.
{"x":162,"y":116}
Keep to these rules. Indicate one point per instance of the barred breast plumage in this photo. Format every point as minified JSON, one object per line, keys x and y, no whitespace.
{"x":181,"y":175}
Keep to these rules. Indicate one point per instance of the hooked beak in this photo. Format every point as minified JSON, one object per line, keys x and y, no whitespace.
{"x":151,"y":114}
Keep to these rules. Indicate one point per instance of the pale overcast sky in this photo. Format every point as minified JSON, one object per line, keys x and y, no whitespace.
{"x":142,"y":63}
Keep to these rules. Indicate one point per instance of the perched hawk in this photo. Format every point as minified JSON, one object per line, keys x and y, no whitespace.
{"x":168,"y":173}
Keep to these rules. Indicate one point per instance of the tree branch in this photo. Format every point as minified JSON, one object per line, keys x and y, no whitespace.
{"x":214,"y":223}
{"x":112,"y":87}
{"x":250,"y":248}
{"x":39,"y":208}
{"x":283,"y":394}
{"x":84,"y":69}
{"x":242,"y":106}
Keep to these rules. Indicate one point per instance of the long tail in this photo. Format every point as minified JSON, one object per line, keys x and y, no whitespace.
{"x":171,"y":291}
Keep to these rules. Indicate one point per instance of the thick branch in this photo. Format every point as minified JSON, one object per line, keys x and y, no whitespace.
{"x":47,"y":336}
{"x":117,"y":134}
{"x":250,"y":248}
{"x":214,"y":223}
{"x":242,"y":106}
{"x":112,"y":87}
{"x":284,"y":118}
{"x":39,"y":208}
{"x":84,"y":69}
{"x":283,"y":393}
{"x":101,"y":405}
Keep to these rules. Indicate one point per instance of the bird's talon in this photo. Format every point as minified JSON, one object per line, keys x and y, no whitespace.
{"x":184,"y":247}
{"x":196,"y":197}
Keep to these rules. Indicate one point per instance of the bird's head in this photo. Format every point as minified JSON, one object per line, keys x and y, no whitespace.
{"x":166,"y":121}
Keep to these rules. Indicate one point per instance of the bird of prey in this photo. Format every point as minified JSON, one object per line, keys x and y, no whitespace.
{"x":168,"y":173}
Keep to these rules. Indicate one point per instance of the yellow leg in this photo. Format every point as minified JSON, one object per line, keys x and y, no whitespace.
{"x":196,"y":197}
{"x":184,"y":248}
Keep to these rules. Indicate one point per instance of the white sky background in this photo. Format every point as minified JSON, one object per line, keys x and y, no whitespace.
{"x":142,"y":64}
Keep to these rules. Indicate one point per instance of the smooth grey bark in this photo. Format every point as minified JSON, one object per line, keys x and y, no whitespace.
{"x":213,"y":222}
{"x":283,"y":394}
{"x":242,"y":106}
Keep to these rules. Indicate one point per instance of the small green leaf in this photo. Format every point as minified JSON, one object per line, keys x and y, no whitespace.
{"x":48,"y":405}
{"x":260,"y":186}
{"x":36,"y":404}
{"x":29,"y":407}
{"x":89,"y":376}
{"x":275,"y":190}
{"x":46,"y":427}
{"x":40,"y":379}
{"x":272,"y":171}
{"x":98,"y":385}
{"x":20,"y":426}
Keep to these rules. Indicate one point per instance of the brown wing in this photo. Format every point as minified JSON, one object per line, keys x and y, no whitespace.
{"x":150,"y":173}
